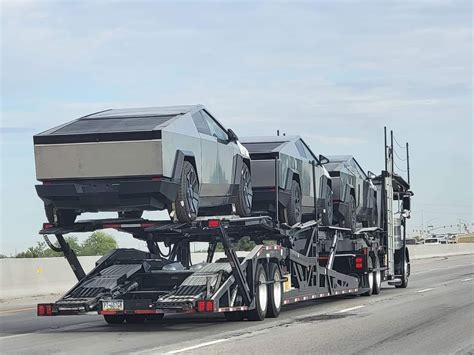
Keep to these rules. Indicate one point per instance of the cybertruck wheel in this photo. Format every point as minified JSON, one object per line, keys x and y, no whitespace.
{"x":244,"y":199}
{"x":294,"y":210}
{"x":187,"y":199}
{"x":63,"y":217}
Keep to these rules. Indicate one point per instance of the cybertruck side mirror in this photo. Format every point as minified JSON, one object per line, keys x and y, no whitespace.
{"x":371,"y":175}
{"x":232,"y":136}
{"x":322,"y":160}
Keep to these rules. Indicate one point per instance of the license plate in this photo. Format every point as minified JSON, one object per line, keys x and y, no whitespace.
{"x":116,"y":305}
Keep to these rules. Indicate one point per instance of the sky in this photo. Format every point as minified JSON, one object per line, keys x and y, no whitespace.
{"x":334,"y":72}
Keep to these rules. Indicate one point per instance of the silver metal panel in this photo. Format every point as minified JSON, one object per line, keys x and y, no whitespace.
{"x":98,"y":159}
{"x":181,"y":134}
{"x":263,"y":173}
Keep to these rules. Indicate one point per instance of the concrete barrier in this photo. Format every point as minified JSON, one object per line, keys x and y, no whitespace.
{"x":41,"y":276}
{"x":32,"y":277}
{"x":424,"y":251}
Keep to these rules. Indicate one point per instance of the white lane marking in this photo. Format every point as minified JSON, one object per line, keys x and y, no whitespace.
{"x":15,"y":336}
{"x":425,"y":290}
{"x":468,"y":279}
{"x":349,"y":309}
{"x":198,"y":346}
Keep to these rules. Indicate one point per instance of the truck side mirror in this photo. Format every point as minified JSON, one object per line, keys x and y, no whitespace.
{"x":232,"y":136}
{"x":406,"y":201}
{"x":322,"y":160}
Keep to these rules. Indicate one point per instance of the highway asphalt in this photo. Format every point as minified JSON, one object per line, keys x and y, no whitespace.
{"x":434,"y":315}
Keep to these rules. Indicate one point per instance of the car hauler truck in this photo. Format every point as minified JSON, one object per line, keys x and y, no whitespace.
{"x":289,"y":264}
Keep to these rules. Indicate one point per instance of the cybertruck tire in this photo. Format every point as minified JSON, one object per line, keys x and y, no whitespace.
{"x":245,"y":195}
{"x":187,"y":198}
{"x":64,"y":217}
{"x":294,"y":210}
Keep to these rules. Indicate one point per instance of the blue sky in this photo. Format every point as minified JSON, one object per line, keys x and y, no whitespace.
{"x":334,"y":72}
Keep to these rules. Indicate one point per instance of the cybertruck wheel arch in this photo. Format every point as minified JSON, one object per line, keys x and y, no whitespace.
{"x":182,"y":156}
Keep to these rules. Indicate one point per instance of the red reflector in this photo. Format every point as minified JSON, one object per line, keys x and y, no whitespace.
{"x":359,"y":260}
{"x":112,"y":225}
{"x":108,"y":313}
{"x":144,"y":311}
{"x":40,"y":310}
{"x":201,"y":306}
{"x":209,"y":306}
{"x":47,"y":225}
{"x":44,"y":309}
{"x":214,"y":223}
{"x":359,"y":266}
{"x":146,"y":225}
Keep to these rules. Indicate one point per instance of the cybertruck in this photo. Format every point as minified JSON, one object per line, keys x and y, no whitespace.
{"x":178,"y":158}
{"x":355,"y":196}
{"x":294,"y":176}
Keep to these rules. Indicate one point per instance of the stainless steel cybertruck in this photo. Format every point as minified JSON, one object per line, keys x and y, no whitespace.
{"x":294,"y":179}
{"x":355,"y":196}
{"x":130,"y":160}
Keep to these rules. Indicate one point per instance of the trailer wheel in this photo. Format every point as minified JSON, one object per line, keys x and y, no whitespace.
{"x":135,"y":319}
{"x":244,"y":198}
{"x":234,"y":316}
{"x":368,"y":279}
{"x":261,"y":296}
{"x":377,"y":278}
{"x":275,"y":292}
{"x":294,"y":207}
{"x":187,"y":198}
{"x":114,"y":319}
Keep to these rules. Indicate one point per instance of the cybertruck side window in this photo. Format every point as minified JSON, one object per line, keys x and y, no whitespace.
{"x":201,"y":124}
{"x":300,"y":148}
{"x":216,"y":130}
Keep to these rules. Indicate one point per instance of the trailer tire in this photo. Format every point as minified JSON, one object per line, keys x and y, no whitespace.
{"x":234,"y":316}
{"x":261,"y":296}
{"x":244,"y":198}
{"x":377,"y":277}
{"x":187,"y":198}
{"x":275,"y":291}
{"x":110,"y":319}
{"x":294,"y":210}
{"x":368,"y":279}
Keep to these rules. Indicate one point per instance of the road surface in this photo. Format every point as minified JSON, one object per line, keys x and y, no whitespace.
{"x":434,"y":315}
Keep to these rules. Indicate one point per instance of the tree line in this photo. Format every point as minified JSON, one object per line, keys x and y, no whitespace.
{"x":98,"y":243}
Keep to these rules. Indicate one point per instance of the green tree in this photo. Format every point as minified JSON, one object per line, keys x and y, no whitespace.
{"x":73,"y":243}
{"x":33,"y":252}
{"x":98,"y":244}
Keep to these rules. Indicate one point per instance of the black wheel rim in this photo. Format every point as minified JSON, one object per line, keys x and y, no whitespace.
{"x":192,"y":194}
{"x":247,"y":193}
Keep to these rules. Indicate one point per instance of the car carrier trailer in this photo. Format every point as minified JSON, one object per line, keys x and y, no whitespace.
{"x":289,"y":264}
